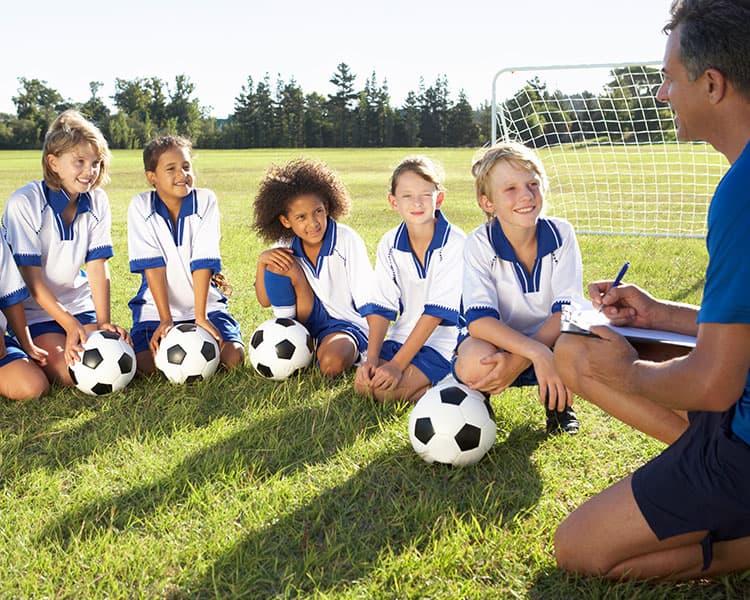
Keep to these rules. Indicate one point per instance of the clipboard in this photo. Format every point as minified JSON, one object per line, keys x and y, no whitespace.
{"x":579,"y":322}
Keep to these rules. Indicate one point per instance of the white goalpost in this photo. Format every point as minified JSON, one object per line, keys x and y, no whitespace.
{"x":609,"y":147}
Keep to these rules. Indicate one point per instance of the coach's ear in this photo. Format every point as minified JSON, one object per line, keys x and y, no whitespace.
{"x":716,"y":85}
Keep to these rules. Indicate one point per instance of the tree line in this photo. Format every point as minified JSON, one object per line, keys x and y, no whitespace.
{"x":266,"y":114}
{"x":280,"y":114}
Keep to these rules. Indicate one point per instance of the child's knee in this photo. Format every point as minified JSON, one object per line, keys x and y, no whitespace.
{"x":232,"y":355}
{"x":332,"y":364}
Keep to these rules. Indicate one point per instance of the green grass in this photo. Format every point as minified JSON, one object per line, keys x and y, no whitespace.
{"x":244,"y":488}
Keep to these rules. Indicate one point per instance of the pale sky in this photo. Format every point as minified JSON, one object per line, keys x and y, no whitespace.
{"x":219,"y":43}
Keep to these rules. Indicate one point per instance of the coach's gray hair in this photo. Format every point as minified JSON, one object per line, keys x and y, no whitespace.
{"x":714,"y":34}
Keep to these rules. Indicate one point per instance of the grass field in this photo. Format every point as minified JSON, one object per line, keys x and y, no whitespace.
{"x":241,"y":488}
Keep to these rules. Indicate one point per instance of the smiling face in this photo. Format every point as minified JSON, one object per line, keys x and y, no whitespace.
{"x":173,"y":177}
{"x":306,"y":217}
{"x":415,"y":198}
{"x":683,"y":94}
{"x":515,"y":195}
{"x":77,"y":169}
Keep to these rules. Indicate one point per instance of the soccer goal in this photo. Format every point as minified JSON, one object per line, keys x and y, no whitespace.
{"x":609,"y":147}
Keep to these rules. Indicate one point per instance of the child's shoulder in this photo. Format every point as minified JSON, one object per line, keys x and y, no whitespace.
{"x":563,"y":226}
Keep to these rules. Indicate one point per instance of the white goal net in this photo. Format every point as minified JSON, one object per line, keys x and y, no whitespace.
{"x":609,"y":147}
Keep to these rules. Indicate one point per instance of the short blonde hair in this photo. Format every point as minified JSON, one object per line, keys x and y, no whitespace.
{"x":507,"y":152}
{"x":68,"y":130}
{"x":421,"y":166}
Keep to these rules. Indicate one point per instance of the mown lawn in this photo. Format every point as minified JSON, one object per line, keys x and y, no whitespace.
{"x":242,"y":488}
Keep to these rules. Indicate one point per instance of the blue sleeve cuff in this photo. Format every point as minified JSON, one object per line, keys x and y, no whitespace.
{"x":100,"y":252}
{"x":15,"y":297}
{"x":478,"y":313}
{"x":141,"y":264}
{"x":558,"y":306}
{"x":28,"y":260}
{"x":375,"y":309}
{"x":449,"y":316}
{"x":214,"y":264}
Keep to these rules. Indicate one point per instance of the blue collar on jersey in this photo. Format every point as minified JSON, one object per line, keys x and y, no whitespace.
{"x":326,"y":248}
{"x":548,"y":240}
{"x":58,"y":200}
{"x":439,"y":239}
{"x":188,"y":207}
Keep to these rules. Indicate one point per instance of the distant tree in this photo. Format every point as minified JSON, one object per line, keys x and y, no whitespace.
{"x":433,"y":112}
{"x":290,"y":115}
{"x":38,"y":104}
{"x":462,"y":130}
{"x":318,"y":130}
{"x":94,"y":108}
{"x":406,"y":126}
{"x":183,"y":110}
{"x":340,"y":105}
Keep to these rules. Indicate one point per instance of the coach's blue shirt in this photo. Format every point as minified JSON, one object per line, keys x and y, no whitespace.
{"x":726,"y":296}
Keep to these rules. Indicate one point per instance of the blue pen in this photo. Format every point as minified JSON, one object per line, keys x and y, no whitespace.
{"x":618,"y":279}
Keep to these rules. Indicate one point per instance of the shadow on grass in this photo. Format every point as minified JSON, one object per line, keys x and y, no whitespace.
{"x":59,"y":431}
{"x":266,"y":447}
{"x":553,"y":583}
{"x":395,"y":503}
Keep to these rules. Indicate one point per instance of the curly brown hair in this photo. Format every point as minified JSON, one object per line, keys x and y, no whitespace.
{"x":282,"y":185}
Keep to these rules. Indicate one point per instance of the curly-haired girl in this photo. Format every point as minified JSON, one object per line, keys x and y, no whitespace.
{"x":319,"y":272}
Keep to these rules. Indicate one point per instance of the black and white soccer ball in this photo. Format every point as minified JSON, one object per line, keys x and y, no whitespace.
{"x":107,"y":364}
{"x":452,"y":424}
{"x":187,"y":353}
{"x":280,"y":347}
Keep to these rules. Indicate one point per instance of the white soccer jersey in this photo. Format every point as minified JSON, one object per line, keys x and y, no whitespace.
{"x":342,"y":276}
{"x":33,"y":227}
{"x":12,"y":287}
{"x":496,"y":284}
{"x":188,"y":245}
{"x":405,"y":290}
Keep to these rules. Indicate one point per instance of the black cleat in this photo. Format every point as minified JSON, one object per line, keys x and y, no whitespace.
{"x":562,"y":422}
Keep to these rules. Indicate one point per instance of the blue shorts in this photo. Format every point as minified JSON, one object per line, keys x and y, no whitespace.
{"x":427,"y":360}
{"x":37,"y":329}
{"x":226,"y":325}
{"x":13,"y":351}
{"x":320,"y":324}
{"x":700,"y":482}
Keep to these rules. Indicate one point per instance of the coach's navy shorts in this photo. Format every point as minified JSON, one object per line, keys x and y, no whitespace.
{"x":13,"y":351}
{"x":320,"y":324}
{"x":37,"y":329}
{"x":226,"y":325}
{"x":428,"y":360}
{"x":700,"y":482}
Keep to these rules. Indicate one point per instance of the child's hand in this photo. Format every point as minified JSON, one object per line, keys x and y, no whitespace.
{"x":37,"y":354}
{"x":363,"y":377}
{"x":277,"y":260}
{"x":502,"y":374}
{"x":208,"y":326}
{"x":120,"y":331}
{"x":159,"y":334}
{"x":552,"y":392}
{"x":75,"y":338}
{"x":387,"y":376}
{"x":3,"y":349}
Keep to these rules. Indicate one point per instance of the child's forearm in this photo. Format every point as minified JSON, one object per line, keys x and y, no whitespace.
{"x":156,"y":279}
{"x":378,"y":327}
{"x":201,"y":283}
{"x":415,"y":340}
{"x":97,"y":272}
{"x":506,"y":338}
{"x":17,"y":321}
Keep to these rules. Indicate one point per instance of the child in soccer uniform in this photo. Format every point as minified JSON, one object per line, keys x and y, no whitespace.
{"x":418,"y":264}
{"x":173,"y":242}
{"x":20,"y":378}
{"x":319,"y":272}
{"x":520,"y":269}
{"x":55,"y":226}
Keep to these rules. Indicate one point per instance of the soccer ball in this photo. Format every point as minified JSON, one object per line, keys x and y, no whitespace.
{"x":187,"y":353}
{"x":107,"y":364}
{"x":280,"y":347}
{"x":452,"y":424}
